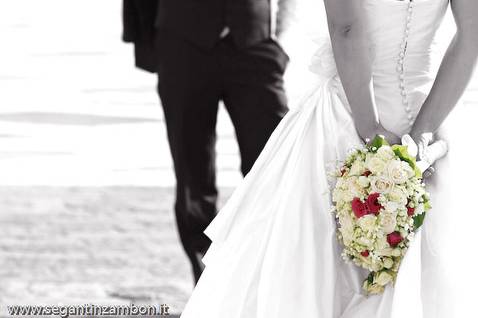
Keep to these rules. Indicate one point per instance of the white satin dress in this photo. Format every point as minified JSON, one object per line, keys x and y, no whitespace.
{"x":274,"y":251}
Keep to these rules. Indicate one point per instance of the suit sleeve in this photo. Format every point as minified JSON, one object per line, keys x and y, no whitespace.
{"x":130,"y":20}
{"x":139,"y":18}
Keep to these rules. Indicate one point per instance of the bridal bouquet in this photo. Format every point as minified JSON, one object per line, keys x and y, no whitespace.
{"x":379,"y":201}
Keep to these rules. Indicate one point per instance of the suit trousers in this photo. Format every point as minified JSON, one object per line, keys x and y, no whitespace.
{"x":191,"y":83}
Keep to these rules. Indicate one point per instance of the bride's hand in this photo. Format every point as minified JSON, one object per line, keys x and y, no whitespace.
{"x":423,"y":140}
{"x":427,"y":151}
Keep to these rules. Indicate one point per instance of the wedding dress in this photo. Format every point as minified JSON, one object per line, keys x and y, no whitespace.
{"x":274,"y":250}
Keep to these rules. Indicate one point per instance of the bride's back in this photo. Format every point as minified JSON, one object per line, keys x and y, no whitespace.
{"x":402,"y":33}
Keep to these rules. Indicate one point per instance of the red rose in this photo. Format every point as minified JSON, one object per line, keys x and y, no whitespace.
{"x":359,"y":208}
{"x":372,"y":203}
{"x":411,"y":211}
{"x":366,"y":173}
{"x":365,"y":253}
{"x":394,"y":239}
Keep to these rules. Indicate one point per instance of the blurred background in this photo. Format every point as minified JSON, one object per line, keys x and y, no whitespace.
{"x":86,"y":180}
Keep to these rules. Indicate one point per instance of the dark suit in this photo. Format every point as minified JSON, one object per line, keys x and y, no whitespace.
{"x":197,"y":69}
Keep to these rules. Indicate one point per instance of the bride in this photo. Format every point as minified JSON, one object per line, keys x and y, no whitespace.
{"x":275,"y":253}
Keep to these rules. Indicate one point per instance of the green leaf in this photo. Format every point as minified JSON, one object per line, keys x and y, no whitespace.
{"x":402,"y":153}
{"x":418,"y":220}
{"x":378,"y":142}
{"x":370,"y":278}
{"x":418,"y":172}
{"x":427,"y":205}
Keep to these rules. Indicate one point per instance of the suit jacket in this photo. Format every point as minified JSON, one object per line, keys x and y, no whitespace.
{"x":197,"y":21}
{"x":139,"y":18}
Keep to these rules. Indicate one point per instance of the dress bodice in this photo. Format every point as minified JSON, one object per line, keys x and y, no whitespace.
{"x":402,"y":33}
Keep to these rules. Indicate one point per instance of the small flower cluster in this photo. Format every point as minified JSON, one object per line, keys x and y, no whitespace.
{"x":379,"y":202}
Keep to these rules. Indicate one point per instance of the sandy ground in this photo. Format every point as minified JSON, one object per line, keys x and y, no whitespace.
{"x":79,"y":245}
{"x":86,"y":184}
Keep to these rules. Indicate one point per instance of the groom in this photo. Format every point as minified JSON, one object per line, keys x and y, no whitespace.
{"x":205,"y":52}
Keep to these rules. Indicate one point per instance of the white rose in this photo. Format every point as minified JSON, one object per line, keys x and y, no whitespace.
{"x":388,"y":251}
{"x":406,"y":166}
{"x":358,"y":168}
{"x":391,"y":206}
{"x":383,"y":278}
{"x":376,"y":267}
{"x":367,"y":222}
{"x":368,"y":263}
{"x":385,"y":153}
{"x":365,"y":242}
{"x":342,"y":196}
{"x":354,"y":188}
{"x":396,"y":252}
{"x":381,"y":244}
{"x":396,"y":172}
{"x":364,"y":181}
{"x":381,"y":184}
{"x":387,"y":262}
{"x":398,"y":195}
{"x":375,"y":164}
{"x":388,"y":222}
